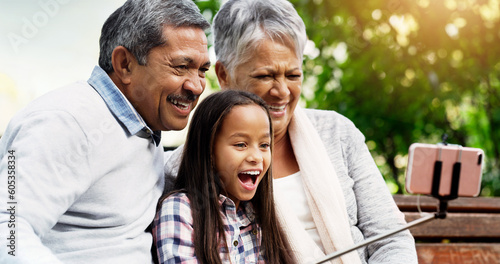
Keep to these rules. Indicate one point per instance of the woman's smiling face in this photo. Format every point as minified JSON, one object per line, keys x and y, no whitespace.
{"x":275,"y":74}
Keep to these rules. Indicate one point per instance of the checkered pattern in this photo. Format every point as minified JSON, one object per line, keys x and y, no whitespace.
{"x":173,"y":232}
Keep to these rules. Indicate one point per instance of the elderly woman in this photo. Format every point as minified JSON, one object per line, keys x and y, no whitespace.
{"x":329,"y":192}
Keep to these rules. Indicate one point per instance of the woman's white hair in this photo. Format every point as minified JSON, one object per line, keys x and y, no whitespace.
{"x":241,"y":25}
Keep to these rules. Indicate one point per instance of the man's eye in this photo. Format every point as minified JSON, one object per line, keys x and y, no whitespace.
{"x":181,"y":67}
{"x":202,"y":72}
{"x":262,"y":76}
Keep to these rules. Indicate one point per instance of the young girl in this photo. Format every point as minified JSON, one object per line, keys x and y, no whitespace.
{"x":223,"y":208}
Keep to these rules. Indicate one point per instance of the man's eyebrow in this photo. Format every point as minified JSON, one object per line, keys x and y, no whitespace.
{"x":207,"y":64}
{"x":190,"y":61}
{"x":183,"y":59}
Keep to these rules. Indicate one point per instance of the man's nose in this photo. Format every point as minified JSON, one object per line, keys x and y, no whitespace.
{"x":195,"y":84}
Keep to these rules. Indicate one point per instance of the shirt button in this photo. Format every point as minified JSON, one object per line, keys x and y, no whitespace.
{"x":235,"y":243}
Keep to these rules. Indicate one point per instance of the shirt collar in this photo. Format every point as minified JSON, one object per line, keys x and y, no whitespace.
{"x":120,"y":106}
{"x":245,"y":210}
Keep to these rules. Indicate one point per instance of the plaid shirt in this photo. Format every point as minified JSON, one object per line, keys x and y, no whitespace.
{"x":173,"y":232}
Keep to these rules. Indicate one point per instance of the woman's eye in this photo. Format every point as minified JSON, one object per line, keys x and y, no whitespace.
{"x":265,"y":145}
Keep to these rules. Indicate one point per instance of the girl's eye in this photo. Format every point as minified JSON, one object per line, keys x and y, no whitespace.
{"x":239,"y":145}
{"x":265,"y":145}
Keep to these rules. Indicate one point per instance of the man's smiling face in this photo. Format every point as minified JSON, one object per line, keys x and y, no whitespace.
{"x":167,"y":88}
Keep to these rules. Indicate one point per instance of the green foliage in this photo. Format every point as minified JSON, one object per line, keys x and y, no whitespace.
{"x":407,"y":71}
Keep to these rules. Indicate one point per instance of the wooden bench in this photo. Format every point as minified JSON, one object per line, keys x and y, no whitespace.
{"x":470,"y":233}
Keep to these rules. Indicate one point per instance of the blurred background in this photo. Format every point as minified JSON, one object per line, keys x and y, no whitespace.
{"x":402,"y":71}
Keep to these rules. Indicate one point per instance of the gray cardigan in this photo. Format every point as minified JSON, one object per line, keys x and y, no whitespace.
{"x":370,"y":206}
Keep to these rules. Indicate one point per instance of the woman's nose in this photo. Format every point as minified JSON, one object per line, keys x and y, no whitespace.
{"x":280,"y":88}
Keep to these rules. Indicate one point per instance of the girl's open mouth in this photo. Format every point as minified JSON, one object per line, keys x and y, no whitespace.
{"x":249,"y":179}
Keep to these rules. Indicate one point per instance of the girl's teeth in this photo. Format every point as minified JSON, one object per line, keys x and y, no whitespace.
{"x":251,"y":172}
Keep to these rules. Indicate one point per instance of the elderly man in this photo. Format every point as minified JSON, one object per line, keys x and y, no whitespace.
{"x":81,"y":168}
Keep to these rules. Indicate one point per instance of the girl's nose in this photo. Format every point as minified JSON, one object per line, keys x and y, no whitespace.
{"x":255,"y":156}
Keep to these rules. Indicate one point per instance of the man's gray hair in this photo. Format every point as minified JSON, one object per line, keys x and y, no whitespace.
{"x":138,"y":26}
{"x":240,"y":25}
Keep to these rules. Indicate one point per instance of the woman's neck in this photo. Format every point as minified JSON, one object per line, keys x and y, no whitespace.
{"x":284,"y":161}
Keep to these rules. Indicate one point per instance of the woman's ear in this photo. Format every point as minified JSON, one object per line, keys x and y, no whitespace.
{"x":222,"y":75}
{"x":122,"y":61}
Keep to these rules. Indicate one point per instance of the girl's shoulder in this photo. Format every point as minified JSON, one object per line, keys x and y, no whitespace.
{"x":177,"y":197}
{"x":176,"y":204}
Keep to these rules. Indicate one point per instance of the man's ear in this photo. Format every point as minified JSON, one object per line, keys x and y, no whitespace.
{"x":222,"y":75}
{"x":122,"y":60}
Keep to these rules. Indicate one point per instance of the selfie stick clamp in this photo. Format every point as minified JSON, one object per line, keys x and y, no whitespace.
{"x":436,"y":180}
{"x":440,"y":214}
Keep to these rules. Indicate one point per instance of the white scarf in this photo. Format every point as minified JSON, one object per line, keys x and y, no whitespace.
{"x":324,"y":196}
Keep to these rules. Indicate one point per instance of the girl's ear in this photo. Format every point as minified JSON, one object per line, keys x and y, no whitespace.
{"x":222,"y":75}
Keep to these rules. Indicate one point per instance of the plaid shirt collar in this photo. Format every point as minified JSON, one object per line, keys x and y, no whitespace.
{"x":245,"y":212}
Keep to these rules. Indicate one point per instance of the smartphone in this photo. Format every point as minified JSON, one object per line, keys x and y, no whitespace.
{"x":421,"y":165}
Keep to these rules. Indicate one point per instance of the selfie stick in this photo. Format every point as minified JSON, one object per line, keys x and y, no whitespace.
{"x":441,"y":213}
{"x":376,"y":238}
